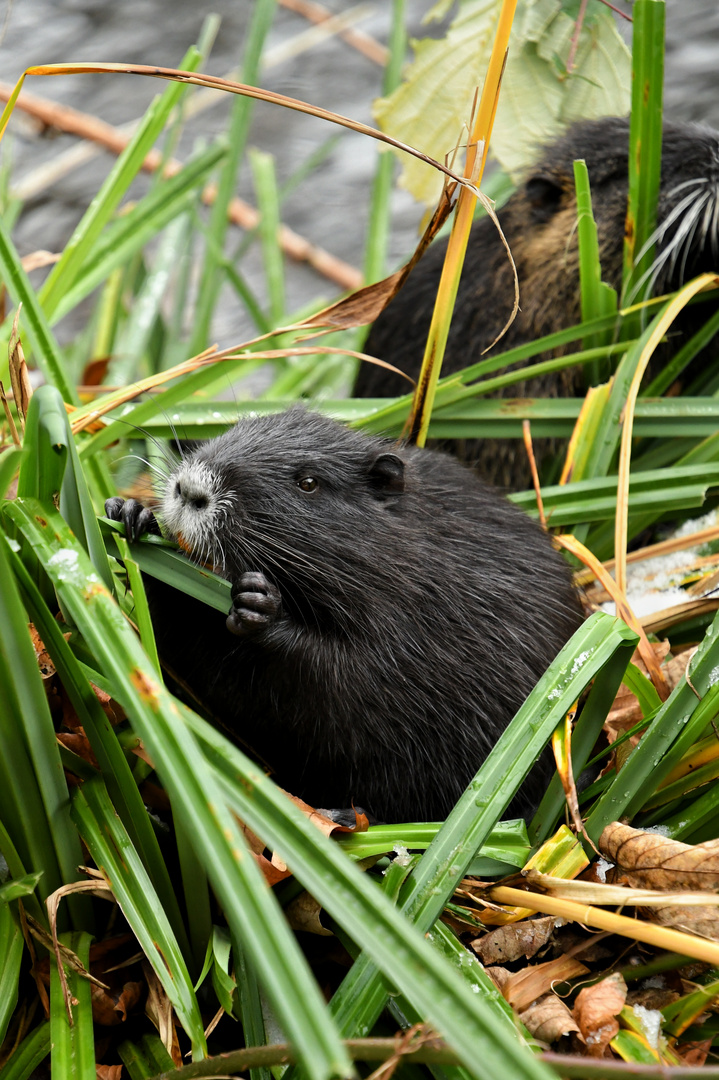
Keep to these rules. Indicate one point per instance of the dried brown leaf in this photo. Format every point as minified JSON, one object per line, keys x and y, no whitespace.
{"x":19,"y":378}
{"x":78,"y":743}
{"x":273,"y":868}
{"x":702,"y":921}
{"x":652,"y":997}
{"x":524,"y":987}
{"x":110,"y":1007}
{"x":508,"y":943}
{"x":626,"y":712}
{"x":694,"y":1053}
{"x":596,"y":1010}
{"x":273,"y":872}
{"x":676,"y":666}
{"x":303,"y":913}
{"x":499,"y":976}
{"x":108,"y":1072}
{"x":36,"y":260}
{"x":548,"y":1019}
{"x":44,"y":660}
{"x":651,"y":861}
{"x":158,"y":1009}
{"x":324,"y":823}
{"x":364,"y":305}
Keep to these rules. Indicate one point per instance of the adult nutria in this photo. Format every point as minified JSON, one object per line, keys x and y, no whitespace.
{"x":539,"y":222}
{"x":390,"y":611}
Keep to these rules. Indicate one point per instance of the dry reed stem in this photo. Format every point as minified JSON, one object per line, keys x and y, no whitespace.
{"x":358,"y":39}
{"x":651,"y":551}
{"x":527,"y":436}
{"x":668,"y":617}
{"x":635,"y":929}
{"x":87,"y":417}
{"x":214,"y":82}
{"x":477,"y":147}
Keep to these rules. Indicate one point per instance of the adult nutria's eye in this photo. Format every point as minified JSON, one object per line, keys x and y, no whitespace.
{"x":308,"y":483}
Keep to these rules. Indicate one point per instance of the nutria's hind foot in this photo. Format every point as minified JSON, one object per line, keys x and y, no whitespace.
{"x":256,"y":605}
{"x":136,"y":518}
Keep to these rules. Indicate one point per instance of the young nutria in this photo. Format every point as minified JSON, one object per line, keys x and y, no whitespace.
{"x":540,"y":224}
{"x":390,"y":612}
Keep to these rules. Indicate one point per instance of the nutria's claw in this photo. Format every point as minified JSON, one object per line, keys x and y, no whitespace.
{"x":256,"y":603}
{"x":136,"y":518}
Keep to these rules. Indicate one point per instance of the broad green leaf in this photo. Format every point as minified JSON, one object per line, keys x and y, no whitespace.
{"x":538,"y":100}
{"x":13,"y":889}
{"x":680,"y":722}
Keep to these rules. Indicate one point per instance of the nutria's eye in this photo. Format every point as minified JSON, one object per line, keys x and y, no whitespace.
{"x":308,"y":483}
{"x":178,"y":490}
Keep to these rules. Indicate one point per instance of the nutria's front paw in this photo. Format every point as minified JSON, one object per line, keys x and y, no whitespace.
{"x":136,"y":518}
{"x":256,"y":604}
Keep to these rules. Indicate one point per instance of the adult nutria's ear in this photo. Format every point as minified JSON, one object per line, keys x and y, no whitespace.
{"x":544,"y":194}
{"x":386,"y":474}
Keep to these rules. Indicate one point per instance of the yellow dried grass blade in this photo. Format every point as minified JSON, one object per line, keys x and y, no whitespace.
{"x":676,"y":305}
{"x":446,"y":293}
{"x":580,"y":444}
{"x":214,"y":82}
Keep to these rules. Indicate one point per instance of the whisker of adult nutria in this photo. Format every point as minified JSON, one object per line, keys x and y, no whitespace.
{"x":275,"y":547}
{"x":181,"y":453}
{"x":164,"y":474}
{"x":689,"y":239}
{"x":710,"y":222}
{"x":138,"y":457}
{"x":161,"y":444}
{"x":687,"y":211}
{"x":289,"y":563}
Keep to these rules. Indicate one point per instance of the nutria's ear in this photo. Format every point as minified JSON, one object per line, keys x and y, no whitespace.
{"x":544,"y":194}
{"x":386,"y":474}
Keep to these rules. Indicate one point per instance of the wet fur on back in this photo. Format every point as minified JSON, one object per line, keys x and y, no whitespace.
{"x":419,"y":608}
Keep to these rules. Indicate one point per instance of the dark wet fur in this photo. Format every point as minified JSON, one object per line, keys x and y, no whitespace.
{"x":539,"y":222}
{"x":415,"y":622}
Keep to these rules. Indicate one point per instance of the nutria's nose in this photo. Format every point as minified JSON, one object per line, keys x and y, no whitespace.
{"x":189,"y":498}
